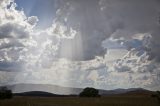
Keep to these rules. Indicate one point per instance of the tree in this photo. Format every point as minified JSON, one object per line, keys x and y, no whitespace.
{"x":89,"y":92}
{"x":5,"y":93}
{"x":156,"y":95}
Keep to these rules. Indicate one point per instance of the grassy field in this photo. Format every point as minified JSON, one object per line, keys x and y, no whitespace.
{"x":76,"y":101}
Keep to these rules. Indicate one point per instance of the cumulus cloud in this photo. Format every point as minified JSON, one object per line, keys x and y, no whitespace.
{"x":19,"y":41}
{"x":32,"y":20}
{"x":4,"y":3}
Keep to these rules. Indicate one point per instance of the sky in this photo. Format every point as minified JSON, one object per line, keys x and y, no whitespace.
{"x":106,"y":44}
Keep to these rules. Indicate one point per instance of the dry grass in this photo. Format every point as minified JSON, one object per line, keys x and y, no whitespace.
{"x":76,"y":101}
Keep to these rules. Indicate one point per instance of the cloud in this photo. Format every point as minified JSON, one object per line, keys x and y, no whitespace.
{"x":98,"y":20}
{"x":12,"y":30}
{"x":19,"y":41}
{"x":103,"y":44}
{"x":7,"y":43}
{"x":11,"y":66}
{"x":4,"y":3}
{"x":111,"y":43}
{"x":32,"y":20}
{"x":141,"y":71}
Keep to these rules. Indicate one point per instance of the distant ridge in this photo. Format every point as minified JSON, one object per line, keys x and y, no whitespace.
{"x":54,"y":90}
{"x":40,"y":94}
{"x":138,"y":92}
{"x":125,"y":91}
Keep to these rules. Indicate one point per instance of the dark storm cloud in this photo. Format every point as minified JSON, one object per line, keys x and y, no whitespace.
{"x":84,"y":16}
{"x":97,"y":20}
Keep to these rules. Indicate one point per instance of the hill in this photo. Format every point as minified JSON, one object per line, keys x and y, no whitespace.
{"x":39,"y":94}
{"x":58,"y":90}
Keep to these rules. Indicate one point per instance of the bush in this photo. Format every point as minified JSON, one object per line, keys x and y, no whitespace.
{"x":5,"y":93}
{"x":89,"y":92}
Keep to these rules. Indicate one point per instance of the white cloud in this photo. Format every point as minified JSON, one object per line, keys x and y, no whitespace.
{"x":112,"y":43}
{"x":17,"y":31}
{"x":4,"y":3}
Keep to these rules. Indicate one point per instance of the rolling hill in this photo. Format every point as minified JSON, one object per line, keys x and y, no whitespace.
{"x":54,"y":90}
